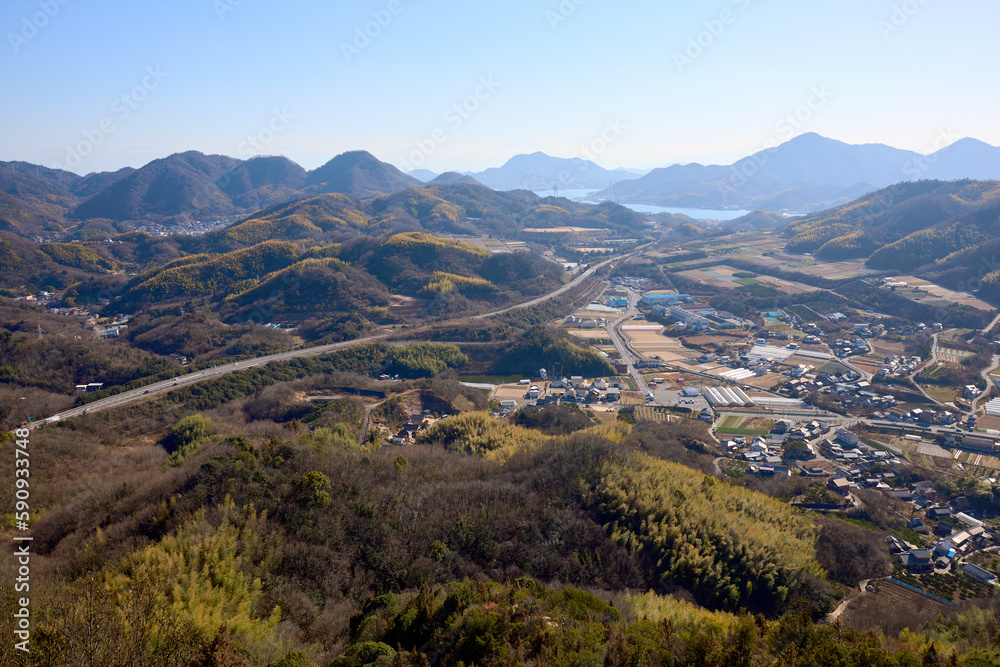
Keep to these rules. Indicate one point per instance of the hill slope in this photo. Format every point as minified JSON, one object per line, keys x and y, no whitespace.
{"x":359,"y":174}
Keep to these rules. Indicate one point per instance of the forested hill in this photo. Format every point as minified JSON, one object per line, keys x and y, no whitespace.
{"x":935,"y":228}
{"x":261,"y":532}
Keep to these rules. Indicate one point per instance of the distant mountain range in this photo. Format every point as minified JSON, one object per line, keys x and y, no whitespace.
{"x":539,"y":171}
{"x":807,"y":173}
{"x":190,"y":185}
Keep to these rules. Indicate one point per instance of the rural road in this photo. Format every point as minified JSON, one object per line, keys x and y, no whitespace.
{"x":627,"y":356}
{"x":178,"y":382}
{"x":985,"y":374}
{"x":930,"y":364}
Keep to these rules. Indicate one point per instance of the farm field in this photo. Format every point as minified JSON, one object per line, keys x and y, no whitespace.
{"x":723,"y":277}
{"x":736,"y":425}
{"x":925,"y":292}
{"x":650,"y":413}
{"x":599,"y":333}
{"x":715,"y":339}
{"x":651,"y":343}
{"x":562,"y":230}
{"x":887,"y":348}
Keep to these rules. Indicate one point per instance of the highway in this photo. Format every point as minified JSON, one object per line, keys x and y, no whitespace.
{"x":127,"y":397}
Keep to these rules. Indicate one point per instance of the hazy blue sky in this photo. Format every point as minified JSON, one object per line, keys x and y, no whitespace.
{"x":101,"y":85}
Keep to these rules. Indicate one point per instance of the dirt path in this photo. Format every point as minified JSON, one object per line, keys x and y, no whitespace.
{"x":835,"y":614}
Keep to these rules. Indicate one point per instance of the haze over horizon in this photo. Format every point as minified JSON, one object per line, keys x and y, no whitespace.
{"x":449,"y":86}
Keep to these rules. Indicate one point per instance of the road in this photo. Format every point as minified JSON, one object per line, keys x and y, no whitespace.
{"x":127,"y":397}
{"x":930,"y":364}
{"x":628,"y":355}
{"x":985,"y":374}
{"x":551,"y":295}
{"x":989,"y":327}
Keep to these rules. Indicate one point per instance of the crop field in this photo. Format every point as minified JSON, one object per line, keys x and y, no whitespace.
{"x":804,"y":313}
{"x":754,"y":249}
{"x":725,"y":277}
{"x":650,"y":343}
{"x":649,"y":413}
{"x":952,"y":356}
{"x":751,"y":426}
{"x":592,"y":335}
{"x":923,"y":291}
{"x":632,"y":398}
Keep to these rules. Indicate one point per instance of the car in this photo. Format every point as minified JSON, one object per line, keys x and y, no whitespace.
{"x":146,"y":392}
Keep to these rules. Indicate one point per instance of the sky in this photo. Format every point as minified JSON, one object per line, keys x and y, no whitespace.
{"x":448,"y":85}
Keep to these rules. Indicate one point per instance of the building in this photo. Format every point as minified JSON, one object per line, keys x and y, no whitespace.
{"x":689,"y":392}
{"x":839,"y":485}
{"x":918,"y":560}
{"x":689,"y":318}
{"x":651,"y":299}
{"x":847,"y":438}
{"x":979,"y":574}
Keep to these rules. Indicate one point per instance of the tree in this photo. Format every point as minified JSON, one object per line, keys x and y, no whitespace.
{"x":313,"y":489}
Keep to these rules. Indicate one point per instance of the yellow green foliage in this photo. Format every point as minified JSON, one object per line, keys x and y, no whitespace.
{"x":548,"y":208}
{"x":731,"y":546}
{"x":657,"y":608}
{"x":977,"y":193}
{"x":303,"y":218}
{"x":9,"y":259}
{"x":425,"y":207}
{"x":201,"y":573}
{"x":855,"y":244}
{"x":419,"y":244}
{"x":447,"y":282}
{"x":479,"y":433}
{"x":206,"y":274}
{"x":78,"y":257}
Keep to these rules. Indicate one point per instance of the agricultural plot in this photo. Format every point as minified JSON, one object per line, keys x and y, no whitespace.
{"x":652,"y":343}
{"x":563,"y":230}
{"x":726,"y":277}
{"x":979,"y":463}
{"x":590,"y":335}
{"x":867,"y":363}
{"x":632,"y":398}
{"x":804,"y":313}
{"x":649,"y":413}
{"x":951,"y":356}
{"x":493,"y":245}
{"x":750,"y":426}
{"x":769,"y":251}
{"x":925,"y":292}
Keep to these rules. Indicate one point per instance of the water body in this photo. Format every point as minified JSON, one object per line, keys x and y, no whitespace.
{"x":696,"y":213}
